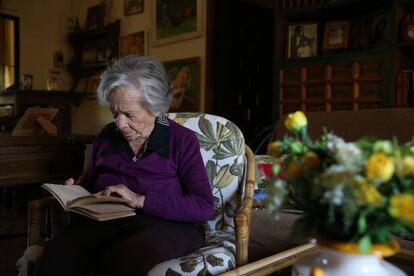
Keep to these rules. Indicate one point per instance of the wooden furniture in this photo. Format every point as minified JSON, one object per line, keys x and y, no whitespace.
{"x":361,"y":76}
{"x":92,"y":50}
{"x":16,"y":103}
{"x":276,"y":263}
{"x":38,"y":159}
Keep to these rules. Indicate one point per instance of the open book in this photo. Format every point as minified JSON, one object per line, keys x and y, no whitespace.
{"x":75,"y":198}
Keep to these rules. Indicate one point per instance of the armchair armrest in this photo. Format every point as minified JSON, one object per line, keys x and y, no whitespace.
{"x":37,"y":210}
{"x":243,"y":216}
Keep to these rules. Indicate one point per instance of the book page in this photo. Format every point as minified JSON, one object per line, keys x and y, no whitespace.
{"x":102,"y":217}
{"x":65,"y":193}
{"x":94,"y":199}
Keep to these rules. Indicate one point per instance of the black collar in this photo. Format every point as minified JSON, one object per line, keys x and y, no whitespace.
{"x":157,"y":141}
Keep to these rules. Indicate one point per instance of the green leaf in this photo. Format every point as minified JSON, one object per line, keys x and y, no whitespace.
{"x":211,"y":170}
{"x":206,"y":142}
{"x":190,"y":265}
{"x":221,"y":153}
{"x":214,"y":261}
{"x":204,"y":272}
{"x":171,"y":272}
{"x":222,"y":132}
{"x":362,"y":223}
{"x":223,"y":177}
{"x":229,"y":209}
{"x":221,"y":224}
{"x":364,"y":244}
{"x":206,"y":128}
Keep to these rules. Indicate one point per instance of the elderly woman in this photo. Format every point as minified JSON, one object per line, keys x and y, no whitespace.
{"x":148,"y":159}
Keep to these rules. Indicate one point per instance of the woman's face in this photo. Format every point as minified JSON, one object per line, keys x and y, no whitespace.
{"x":131,"y":119}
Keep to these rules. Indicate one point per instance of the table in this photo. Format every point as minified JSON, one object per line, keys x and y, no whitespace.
{"x":280,"y":263}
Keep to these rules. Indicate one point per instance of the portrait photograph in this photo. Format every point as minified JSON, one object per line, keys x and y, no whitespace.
{"x":302,"y":40}
{"x":184,"y":75}
{"x":175,"y":20}
{"x":133,"y":44}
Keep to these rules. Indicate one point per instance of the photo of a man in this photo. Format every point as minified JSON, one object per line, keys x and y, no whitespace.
{"x":302,"y":40}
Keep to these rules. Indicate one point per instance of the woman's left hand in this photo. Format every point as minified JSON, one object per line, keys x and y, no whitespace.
{"x":120,"y":190}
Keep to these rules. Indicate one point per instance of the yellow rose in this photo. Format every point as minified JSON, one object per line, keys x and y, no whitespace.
{"x":293,"y":170}
{"x":296,"y":121}
{"x":402,"y":207}
{"x":368,"y":194}
{"x":310,"y":161}
{"x":274,"y":149}
{"x":408,"y":165}
{"x":379,"y":167}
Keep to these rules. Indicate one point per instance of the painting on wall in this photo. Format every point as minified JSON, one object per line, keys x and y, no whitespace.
{"x":133,"y":44}
{"x":176,"y":20}
{"x":185,"y":84}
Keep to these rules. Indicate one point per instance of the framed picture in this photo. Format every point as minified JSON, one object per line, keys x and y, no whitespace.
{"x":185,"y":84}
{"x":176,"y":20}
{"x":27,"y":82}
{"x":380,"y":31}
{"x":133,"y":7}
{"x":93,"y":82}
{"x":34,"y":120}
{"x":302,"y":40}
{"x":336,"y":35}
{"x":133,"y":44}
{"x":95,"y":17}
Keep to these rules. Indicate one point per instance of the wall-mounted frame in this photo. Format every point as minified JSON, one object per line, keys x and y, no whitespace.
{"x":302,"y":40}
{"x":175,"y":20}
{"x":34,"y":120}
{"x":95,"y":17}
{"x":93,"y":82}
{"x":133,"y":44}
{"x":336,"y":35}
{"x":133,"y":7}
{"x":185,"y":84}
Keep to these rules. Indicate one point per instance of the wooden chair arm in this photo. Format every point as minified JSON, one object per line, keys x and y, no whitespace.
{"x":36,"y":218}
{"x":244,"y":214}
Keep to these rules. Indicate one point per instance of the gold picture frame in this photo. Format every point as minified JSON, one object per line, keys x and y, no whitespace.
{"x":175,"y":20}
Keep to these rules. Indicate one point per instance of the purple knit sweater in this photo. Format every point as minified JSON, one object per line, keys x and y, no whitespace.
{"x":170,"y":173}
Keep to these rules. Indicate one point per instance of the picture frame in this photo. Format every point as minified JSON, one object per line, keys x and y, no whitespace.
{"x":133,"y":7}
{"x":175,"y":20}
{"x":92,"y":85}
{"x":33,"y":121}
{"x":95,"y":17}
{"x":27,"y":82}
{"x":336,"y":35}
{"x":302,"y":40}
{"x":184,"y":75}
{"x":133,"y":44}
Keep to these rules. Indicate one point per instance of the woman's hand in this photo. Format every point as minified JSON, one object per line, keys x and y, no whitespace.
{"x":120,"y":190}
{"x":70,"y":181}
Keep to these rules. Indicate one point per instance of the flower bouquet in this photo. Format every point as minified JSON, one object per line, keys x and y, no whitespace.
{"x":360,"y":192}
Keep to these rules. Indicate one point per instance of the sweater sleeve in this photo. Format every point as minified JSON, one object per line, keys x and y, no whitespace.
{"x":196,"y":202}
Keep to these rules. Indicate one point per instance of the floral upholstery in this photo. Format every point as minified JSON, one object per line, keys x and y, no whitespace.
{"x":222,"y":149}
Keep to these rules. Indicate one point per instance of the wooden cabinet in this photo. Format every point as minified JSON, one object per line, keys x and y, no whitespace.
{"x":91,"y":52}
{"x":362,"y":75}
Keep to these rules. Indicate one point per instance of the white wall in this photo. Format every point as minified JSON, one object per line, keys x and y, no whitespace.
{"x":88,"y":118}
{"x":43,"y":30}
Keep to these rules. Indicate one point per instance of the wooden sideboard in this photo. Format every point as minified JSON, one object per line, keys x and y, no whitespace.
{"x":38,"y":159}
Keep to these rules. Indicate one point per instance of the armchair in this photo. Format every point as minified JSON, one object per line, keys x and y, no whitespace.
{"x":230,"y":165}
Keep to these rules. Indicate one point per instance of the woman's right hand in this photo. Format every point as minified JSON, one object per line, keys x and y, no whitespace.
{"x":70,"y":181}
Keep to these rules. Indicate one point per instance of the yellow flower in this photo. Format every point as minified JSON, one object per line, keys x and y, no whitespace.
{"x":310,"y":161}
{"x":293,"y":170}
{"x":408,"y":165}
{"x":274,"y":149}
{"x":402,"y":207}
{"x":379,"y":167}
{"x":368,"y":194}
{"x":296,"y":121}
